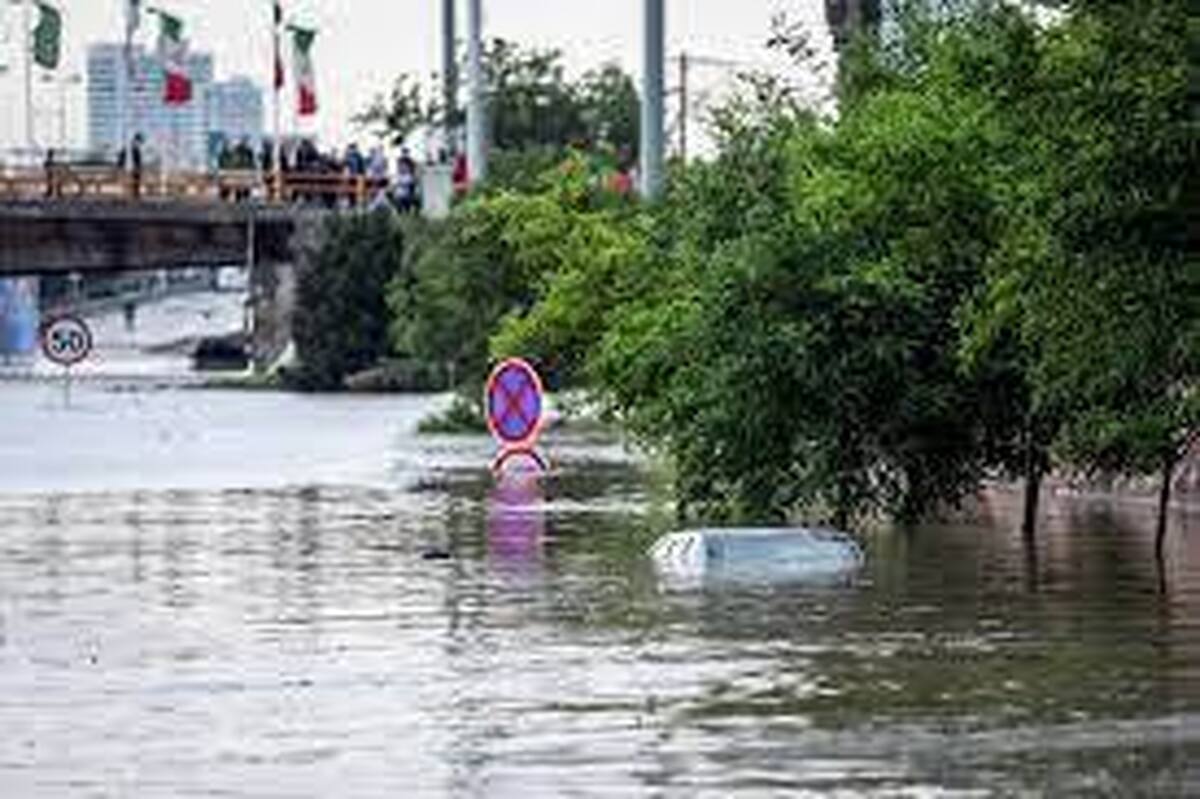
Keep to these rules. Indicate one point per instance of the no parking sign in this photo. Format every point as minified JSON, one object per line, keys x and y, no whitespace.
{"x":515,"y":405}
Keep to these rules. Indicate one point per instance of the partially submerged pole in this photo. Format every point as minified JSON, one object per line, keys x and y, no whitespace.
{"x":652,"y":100}
{"x":477,"y":103}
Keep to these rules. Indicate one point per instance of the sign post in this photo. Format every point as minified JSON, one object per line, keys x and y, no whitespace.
{"x":515,"y":404}
{"x":66,"y":341}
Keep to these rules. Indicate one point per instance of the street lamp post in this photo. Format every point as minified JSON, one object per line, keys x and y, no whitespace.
{"x":449,"y":75}
{"x":652,"y":99}
{"x":477,"y":103}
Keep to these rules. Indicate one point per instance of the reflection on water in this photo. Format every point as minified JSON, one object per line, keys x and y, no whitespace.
{"x":287,"y":634}
{"x":516,"y":522}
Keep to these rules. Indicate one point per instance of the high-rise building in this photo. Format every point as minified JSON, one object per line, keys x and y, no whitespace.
{"x":235,"y":111}
{"x":174,"y":135}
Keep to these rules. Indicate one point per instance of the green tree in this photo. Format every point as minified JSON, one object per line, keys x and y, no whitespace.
{"x":1107,"y":295}
{"x":533,"y":106}
{"x":461,"y":278}
{"x":792,"y":335}
{"x":341,"y":320}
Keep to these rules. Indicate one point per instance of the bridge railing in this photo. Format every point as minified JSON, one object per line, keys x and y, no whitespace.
{"x":105,"y":182}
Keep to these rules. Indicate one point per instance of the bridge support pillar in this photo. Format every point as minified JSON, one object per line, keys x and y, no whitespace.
{"x":272,"y":303}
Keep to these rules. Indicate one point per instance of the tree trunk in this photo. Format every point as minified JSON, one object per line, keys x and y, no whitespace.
{"x":841,"y":514}
{"x":1033,"y":491}
{"x":1164,"y":501}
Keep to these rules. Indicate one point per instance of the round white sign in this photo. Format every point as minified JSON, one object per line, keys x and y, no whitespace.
{"x":66,"y":340}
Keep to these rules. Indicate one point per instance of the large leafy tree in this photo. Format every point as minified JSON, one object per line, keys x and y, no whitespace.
{"x":533,"y":105}
{"x":981,"y":265}
{"x":341,"y":320}
{"x":1105,"y":289}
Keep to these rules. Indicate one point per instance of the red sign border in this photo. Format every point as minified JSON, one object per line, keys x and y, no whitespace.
{"x":45,"y":333}
{"x":493,"y":427}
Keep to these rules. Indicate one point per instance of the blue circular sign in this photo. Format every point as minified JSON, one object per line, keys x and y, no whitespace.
{"x":514,"y":402}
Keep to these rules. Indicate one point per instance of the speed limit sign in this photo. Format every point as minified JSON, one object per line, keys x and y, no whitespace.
{"x":66,"y":340}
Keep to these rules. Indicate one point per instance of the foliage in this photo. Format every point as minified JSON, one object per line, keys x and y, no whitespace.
{"x":341,"y":320}
{"x":532,"y":105}
{"x":460,"y":279}
{"x":1099,"y":280}
{"x":984,"y":261}
{"x":875,"y":313}
{"x":486,"y":263}
{"x":402,"y":113}
{"x":461,"y":417}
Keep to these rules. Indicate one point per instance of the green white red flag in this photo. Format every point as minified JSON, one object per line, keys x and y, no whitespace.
{"x":306,"y":78}
{"x":172,"y":53}
{"x":47,"y":36}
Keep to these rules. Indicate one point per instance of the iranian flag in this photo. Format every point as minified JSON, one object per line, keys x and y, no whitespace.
{"x":47,"y":36}
{"x":172,"y":52}
{"x":306,"y":79}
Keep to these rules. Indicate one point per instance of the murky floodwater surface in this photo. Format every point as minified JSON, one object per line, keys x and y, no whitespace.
{"x":230,"y":594}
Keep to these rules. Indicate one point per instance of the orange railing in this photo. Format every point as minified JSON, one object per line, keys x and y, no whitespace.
{"x":103,"y":182}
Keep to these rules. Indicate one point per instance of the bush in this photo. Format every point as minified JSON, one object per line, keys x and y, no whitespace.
{"x":341,"y":321}
{"x":462,"y":417}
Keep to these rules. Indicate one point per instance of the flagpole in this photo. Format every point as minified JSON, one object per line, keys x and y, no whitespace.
{"x":125,"y":120}
{"x":277,"y":157}
{"x":27,"y":8}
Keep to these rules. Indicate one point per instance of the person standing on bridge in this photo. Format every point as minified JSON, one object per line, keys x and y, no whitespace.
{"x":135,"y":165}
{"x":355,"y":164}
{"x":377,"y":168}
{"x":407,"y":200}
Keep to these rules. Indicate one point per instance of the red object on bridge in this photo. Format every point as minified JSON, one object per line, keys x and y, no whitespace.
{"x":460,"y":177}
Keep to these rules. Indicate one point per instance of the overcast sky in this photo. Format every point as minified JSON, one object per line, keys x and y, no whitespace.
{"x":363,"y":44}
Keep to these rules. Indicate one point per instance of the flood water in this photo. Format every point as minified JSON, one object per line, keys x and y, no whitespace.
{"x":207,"y":593}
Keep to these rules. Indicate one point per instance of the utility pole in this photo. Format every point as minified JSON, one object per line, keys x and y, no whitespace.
{"x":652,"y":100}
{"x":477,"y":103}
{"x":449,"y":75}
{"x":683,"y":106}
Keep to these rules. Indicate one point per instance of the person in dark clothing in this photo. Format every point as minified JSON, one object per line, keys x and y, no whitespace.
{"x":243,"y":159}
{"x":355,"y":164}
{"x":266,"y":156}
{"x":135,"y":166}
{"x":53,"y":183}
{"x":407,"y":192}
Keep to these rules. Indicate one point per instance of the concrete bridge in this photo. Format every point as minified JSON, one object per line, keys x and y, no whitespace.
{"x":82,"y":236}
{"x":83,"y":218}
{"x":79,"y":220}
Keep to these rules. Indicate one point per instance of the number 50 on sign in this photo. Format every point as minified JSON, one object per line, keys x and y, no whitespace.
{"x":66,"y":340}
